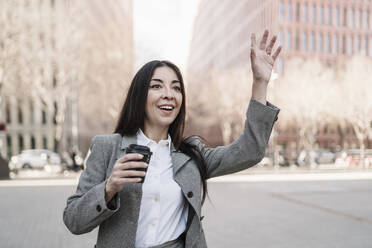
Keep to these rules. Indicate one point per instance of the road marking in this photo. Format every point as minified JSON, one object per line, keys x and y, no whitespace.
{"x":324,"y":209}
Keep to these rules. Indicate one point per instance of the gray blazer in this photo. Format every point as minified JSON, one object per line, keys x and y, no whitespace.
{"x":118,"y":220}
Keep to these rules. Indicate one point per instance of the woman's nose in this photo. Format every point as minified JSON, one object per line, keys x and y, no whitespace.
{"x":167,"y":93}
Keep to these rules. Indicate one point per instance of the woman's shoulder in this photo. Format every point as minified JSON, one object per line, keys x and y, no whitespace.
{"x":107,"y":139}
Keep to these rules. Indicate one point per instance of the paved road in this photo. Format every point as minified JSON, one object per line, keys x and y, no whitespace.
{"x":245,"y":214}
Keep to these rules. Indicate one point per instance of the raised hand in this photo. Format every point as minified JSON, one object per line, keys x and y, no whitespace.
{"x":262,"y":62}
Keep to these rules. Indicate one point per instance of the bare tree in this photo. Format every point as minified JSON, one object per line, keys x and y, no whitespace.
{"x":302,"y":94}
{"x":355,"y":105}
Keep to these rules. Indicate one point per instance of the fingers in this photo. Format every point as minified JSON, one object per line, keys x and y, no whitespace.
{"x":129,"y":157}
{"x":253,"y":40}
{"x":276,"y":54}
{"x":121,"y":181}
{"x":264,"y":40}
{"x":128,"y":174}
{"x":130,"y":165}
{"x":269,"y":48}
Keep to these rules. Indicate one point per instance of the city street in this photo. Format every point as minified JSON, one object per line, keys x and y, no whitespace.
{"x":280,"y":214}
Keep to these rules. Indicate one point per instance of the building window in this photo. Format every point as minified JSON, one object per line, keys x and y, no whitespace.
{"x":320,"y":43}
{"x":20,"y":113}
{"x":280,"y":38}
{"x":33,"y":142}
{"x":366,"y":17}
{"x":321,"y":15}
{"x":32,"y":114}
{"x":364,"y":48}
{"x":359,"y":18}
{"x":43,"y":117}
{"x":55,"y":113}
{"x":305,"y":10}
{"x":313,"y":14}
{"x":289,"y":12}
{"x":312,"y":42}
{"x":54,"y":79}
{"x":297,"y":41}
{"x":281,"y":11}
{"x":328,"y":43}
{"x":336,"y":16}
{"x":358,"y":45}
{"x":45,"y":142}
{"x":344,"y":17}
{"x":56,"y":143}
{"x":298,"y":10}
{"x":304,"y":41}
{"x":7,"y":112}
{"x":9,"y":146}
{"x":335,"y":44}
{"x":329,"y":16}
{"x":351,"y":18}
{"x":20,"y":142}
{"x":350,"y":45}
{"x":289,"y":40}
{"x":343,"y":44}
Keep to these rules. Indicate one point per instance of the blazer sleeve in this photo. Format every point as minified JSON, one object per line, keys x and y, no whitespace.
{"x":249,"y":148}
{"x":87,"y":208}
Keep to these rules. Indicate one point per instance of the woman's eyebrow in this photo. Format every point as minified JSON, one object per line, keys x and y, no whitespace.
{"x":161,"y":81}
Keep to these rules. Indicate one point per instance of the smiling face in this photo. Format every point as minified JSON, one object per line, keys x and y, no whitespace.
{"x":164,"y":99}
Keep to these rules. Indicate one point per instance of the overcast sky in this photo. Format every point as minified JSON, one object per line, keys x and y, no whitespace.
{"x":162,"y":30}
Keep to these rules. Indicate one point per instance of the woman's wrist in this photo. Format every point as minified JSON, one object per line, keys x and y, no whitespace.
{"x":109,"y":193}
{"x":259,"y":91}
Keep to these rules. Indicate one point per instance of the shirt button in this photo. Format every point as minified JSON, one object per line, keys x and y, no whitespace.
{"x":190,"y":194}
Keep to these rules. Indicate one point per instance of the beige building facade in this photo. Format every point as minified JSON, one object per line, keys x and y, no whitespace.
{"x":87,"y":62}
{"x":330,"y":30}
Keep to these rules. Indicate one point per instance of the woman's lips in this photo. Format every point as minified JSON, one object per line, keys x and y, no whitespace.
{"x":165,"y":111}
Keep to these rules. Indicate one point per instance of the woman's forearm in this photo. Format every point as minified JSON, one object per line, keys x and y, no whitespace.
{"x":259,"y":90}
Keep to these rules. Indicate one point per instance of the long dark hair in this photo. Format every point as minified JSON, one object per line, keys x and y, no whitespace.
{"x":132,"y":115}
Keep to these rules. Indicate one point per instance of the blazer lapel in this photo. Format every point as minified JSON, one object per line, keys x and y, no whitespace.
{"x":125,"y":142}
{"x":178,"y":159}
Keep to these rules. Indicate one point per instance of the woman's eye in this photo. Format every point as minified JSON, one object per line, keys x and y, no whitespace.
{"x":155,"y":86}
{"x":177,"y":88}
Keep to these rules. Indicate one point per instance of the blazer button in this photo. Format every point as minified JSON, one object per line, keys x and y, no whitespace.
{"x":99,"y":208}
{"x":190,"y":194}
{"x":276,"y":118}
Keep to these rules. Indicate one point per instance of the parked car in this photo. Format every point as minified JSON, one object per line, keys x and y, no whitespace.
{"x":351,"y":157}
{"x":318,"y":156}
{"x":324,"y":156}
{"x":34,"y":159}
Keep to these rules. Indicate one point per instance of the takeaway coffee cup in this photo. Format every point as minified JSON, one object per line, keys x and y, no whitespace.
{"x":145,"y":151}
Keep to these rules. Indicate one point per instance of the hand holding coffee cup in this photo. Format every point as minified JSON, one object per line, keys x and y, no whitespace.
{"x":145,"y":151}
{"x":128,"y":169}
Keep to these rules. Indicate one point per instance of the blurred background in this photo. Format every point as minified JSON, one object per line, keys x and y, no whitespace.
{"x":65,"y":67}
{"x":65,"y":63}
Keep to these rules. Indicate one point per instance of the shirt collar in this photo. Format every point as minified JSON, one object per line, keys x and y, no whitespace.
{"x":143,"y":139}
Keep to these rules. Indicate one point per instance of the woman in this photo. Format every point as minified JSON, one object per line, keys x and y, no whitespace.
{"x":165,"y":210}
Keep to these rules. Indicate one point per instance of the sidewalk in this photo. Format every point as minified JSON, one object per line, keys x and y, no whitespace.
{"x":254,"y":174}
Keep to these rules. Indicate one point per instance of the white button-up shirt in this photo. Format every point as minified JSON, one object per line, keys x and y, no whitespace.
{"x":163,"y":211}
